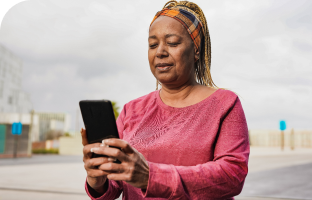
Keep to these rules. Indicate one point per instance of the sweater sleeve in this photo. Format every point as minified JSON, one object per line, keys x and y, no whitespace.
{"x":114,"y":187}
{"x":221,"y":178}
{"x":113,"y":192}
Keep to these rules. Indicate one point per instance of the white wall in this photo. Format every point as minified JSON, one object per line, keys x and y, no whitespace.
{"x":12,"y":97}
{"x":70,"y":145}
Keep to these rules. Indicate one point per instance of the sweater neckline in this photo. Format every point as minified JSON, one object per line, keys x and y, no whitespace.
{"x":166,"y":107}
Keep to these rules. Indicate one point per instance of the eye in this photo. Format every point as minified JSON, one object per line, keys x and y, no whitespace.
{"x":173,"y":44}
{"x":152,"y":46}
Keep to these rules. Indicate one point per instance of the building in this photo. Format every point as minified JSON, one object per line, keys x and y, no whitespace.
{"x":52,"y":122}
{"x":30,"y":130}
{"x":15,"y":106}
{"x":35,"y":127}
{"x":12,"y":98}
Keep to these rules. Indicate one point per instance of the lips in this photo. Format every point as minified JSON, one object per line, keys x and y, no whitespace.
{"x":163,"y":66}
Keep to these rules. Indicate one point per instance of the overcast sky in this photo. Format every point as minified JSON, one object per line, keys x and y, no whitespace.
{"x":95,"y":49}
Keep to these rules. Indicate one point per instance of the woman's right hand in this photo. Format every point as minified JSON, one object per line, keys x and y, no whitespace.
{"x":96,"y":178}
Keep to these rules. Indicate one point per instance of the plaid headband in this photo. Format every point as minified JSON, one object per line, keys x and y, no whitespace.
{"x":187,"y":19}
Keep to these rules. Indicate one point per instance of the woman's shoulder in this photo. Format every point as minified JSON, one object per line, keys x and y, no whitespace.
{"x":231,"y":106}
{"x":226,"y":97}
{"x":141,"y":102}
{"x":224,"y":94}
{"x":218,"y":94}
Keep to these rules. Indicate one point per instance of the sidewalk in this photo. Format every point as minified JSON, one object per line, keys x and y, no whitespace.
{"x":63,"y":177}
{"x":276,"y":151}
{"x":276,"y":174}
{"x":266,"y":158}
{"x":47,"y":177}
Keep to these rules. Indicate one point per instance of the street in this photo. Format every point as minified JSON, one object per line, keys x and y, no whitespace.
{"x":273,"y":175}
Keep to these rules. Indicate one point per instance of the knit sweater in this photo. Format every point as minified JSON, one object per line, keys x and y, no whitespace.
{"x":195,"y":152}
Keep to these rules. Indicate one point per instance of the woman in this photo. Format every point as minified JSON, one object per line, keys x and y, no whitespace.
{"x":184,"y":141}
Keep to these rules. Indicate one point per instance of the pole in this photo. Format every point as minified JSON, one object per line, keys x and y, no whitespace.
{"x":77,"y":122}
{"x":282,"y":140}
{"x":282,"y":128}
{"x":15,"y":146}
{"x":292,"y":139}
{"x":29,"y":148}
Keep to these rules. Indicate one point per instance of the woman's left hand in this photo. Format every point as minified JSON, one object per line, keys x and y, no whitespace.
{"x":133,"y":168}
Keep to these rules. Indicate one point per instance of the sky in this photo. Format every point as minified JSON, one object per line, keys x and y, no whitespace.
{"x":91,"y":49}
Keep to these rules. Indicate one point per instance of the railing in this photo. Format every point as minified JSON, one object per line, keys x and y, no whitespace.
{"x":273,"y":138}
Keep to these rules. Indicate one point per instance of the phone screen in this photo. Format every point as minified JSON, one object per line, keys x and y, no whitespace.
{"x":99,"y":120}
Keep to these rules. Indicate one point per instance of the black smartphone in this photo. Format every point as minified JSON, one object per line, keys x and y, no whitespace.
{"x":99,"y":120}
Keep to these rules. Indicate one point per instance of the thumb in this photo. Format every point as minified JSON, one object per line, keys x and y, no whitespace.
{"x":84,"y":137}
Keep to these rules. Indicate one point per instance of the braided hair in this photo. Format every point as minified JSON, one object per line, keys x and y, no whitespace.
{"x":203,"y":64}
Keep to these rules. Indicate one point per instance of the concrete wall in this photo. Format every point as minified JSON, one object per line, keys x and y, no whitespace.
{"x":300,"y":138}
{"x":48,"y":144}
{"x":70,"y":145}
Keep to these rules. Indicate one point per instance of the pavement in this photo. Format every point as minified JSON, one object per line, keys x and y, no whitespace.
{"x":276,"y":174}
{"x":273,"y":175}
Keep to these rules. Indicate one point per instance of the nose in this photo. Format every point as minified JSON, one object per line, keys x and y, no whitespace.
{"x":161,"y":51}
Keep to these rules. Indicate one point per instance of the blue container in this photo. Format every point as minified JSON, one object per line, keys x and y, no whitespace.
{"x":17,"y":128}
{"x":282,"y":125}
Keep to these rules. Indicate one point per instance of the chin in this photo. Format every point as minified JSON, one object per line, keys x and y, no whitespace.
{"x":166,"y":80}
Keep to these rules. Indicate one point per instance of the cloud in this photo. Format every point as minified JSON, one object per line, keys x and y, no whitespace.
{"x":81,"y":49}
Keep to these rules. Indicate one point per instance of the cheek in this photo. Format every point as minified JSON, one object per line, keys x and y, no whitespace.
{"x":151,"y":57}
{"x":184,"y":58}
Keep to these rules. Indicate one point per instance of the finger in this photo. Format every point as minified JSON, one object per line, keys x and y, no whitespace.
{"x":84,"y":137}
{"x":110,"y":152}
{"x":94,"y":162}
{"x":112,"y":167}
{"x":94,"y":173}
{"x":119,"y":177}
{"x":124,"y":145}
{"x":87,"y":149}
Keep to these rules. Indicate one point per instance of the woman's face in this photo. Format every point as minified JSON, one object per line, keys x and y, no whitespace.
{"x":171,"y":52}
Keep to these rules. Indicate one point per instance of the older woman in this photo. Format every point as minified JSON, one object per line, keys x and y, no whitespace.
{"x":188,"y":140}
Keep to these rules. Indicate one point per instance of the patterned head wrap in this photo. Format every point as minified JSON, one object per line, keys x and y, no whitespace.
{"x":191,"y":16}
{"x":188,"y":19}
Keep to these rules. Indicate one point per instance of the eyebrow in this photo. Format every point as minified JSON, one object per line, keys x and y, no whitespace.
{"x":170,"y":35}
{"x":152,"y":37}
{"x":167,"y":36}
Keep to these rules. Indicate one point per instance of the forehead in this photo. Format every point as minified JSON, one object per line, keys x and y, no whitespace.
{"x":167,"y":25}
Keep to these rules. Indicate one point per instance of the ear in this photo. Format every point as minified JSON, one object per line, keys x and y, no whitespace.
{"x":196,"y":55}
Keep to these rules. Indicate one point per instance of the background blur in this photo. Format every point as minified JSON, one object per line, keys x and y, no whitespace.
{"x":54,"y":53}
{"x":73,"y":50}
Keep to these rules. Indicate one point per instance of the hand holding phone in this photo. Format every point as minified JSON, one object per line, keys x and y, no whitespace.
{"x":99,"y":120}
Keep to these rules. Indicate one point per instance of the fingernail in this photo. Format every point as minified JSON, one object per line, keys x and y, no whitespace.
{"x":112,"y":159}
{"x":106,"y":141}
{"x":94,"y":149}
{"x":104,"y":145}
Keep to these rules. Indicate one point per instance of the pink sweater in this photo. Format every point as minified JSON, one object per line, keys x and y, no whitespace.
{"x":196,"y":152}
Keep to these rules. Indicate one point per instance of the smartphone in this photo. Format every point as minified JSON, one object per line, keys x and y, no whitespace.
{"x":99,"y":120}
